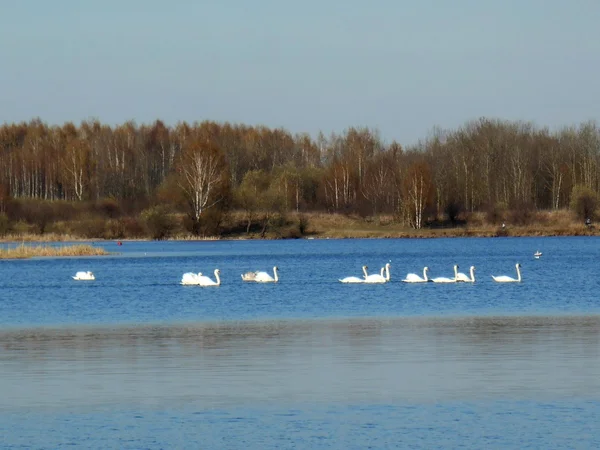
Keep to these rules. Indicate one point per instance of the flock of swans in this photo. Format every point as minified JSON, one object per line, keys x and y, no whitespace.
{"x":197,"y":279}
{"x":459,"y":277}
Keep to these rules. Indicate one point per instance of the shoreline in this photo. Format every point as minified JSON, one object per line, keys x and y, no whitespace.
{"x":319,"y":225}
{"x":372,"y":233}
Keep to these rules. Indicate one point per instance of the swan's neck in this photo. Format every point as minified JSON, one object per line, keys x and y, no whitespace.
{"x":217,"y":278}
{"x":365,"y":271}
{"x":455,"y":272}
{"x":518,"y":274}
{"x":387,"y":272}
{"x":425,"y":274}
{"x":472,"y":274}
{"x":275,"y":274}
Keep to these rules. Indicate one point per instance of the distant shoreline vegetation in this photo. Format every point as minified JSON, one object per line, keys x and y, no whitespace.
{"x":333,"y":226}
{"x":228,"y":181}
{"x":23,"y":251}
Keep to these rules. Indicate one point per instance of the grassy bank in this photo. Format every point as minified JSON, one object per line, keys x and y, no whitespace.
{"x":555,"y":223}
{"x":29,"y":251}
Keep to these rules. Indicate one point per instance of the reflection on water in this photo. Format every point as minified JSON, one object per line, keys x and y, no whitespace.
{"x":248,"y":364}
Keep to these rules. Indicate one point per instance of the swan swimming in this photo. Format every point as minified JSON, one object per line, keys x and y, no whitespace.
{"x":261,"y":277}
{"x":507,"y":279}
{"x":84,"y":276}
{"x":461,"y":277}
{"x":190,"y":278}
{"x":203,"y":280}
{"x":379,"y":278}
{"x":356,"y":279}
{"x":443,"y":280}
{"x":414,"y":278}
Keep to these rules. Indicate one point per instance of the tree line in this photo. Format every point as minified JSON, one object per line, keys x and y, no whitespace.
{"x":206,"y":168}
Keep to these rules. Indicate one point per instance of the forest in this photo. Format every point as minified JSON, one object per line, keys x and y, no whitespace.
{"x":152,"y":180}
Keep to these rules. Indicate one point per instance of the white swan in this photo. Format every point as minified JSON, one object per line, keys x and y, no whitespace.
{"x":507,"y":279}
{"x":459,"y":276}
{"x":84,"y":276}
{"x":203,"y":280}
{"x":262,"y":277}
{"x":443,"y":280}
{"x":414,"y":278}
{"x":379,"y":277}
{"x":190,"y":278}
{"x":356,"y":279}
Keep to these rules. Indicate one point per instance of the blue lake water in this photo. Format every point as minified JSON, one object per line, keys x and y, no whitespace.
{"x":135,"y":360}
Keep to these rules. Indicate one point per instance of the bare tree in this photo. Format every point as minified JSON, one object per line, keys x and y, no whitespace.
{"x":556,"y":169}
{"x":202,"y":177}
{"x":338,"y":185}
{"x":74,"y":161}
{"x":377,"y":181}
{"x":417,"y":190}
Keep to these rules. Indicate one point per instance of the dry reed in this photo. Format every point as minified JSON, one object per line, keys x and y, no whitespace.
{"x":30,"y":251}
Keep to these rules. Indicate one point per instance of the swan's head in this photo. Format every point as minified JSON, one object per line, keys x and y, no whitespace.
{"x":425,"y":269}
{"x":275,"y":268}
{"x":472,"y":267}
{"x":518,"y":266}
{"x":217,"y":271}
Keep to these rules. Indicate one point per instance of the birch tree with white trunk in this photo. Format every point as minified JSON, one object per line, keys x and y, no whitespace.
{"x":202,"y":177}
{"x":74,"y":161}
{"x":417,"y":191}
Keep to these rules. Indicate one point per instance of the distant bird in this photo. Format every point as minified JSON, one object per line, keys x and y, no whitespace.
{"x":507,"y":279}
{"x":356,"y":279}
{"x":261,"y":277}
{"x":84,"y":276}
{"x":537,"y":254}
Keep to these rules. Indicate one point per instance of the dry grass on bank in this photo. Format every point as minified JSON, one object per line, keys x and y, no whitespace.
{"x":29,"y":251}
{"x":543,"y":223}
{"x":36,"y":237}
{"x":334,"y":226}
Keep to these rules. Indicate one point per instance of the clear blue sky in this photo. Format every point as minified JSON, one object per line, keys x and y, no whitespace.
{"x":399,"y":66}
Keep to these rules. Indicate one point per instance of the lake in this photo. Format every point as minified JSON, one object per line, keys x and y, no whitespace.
{"x":135,"y":360}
